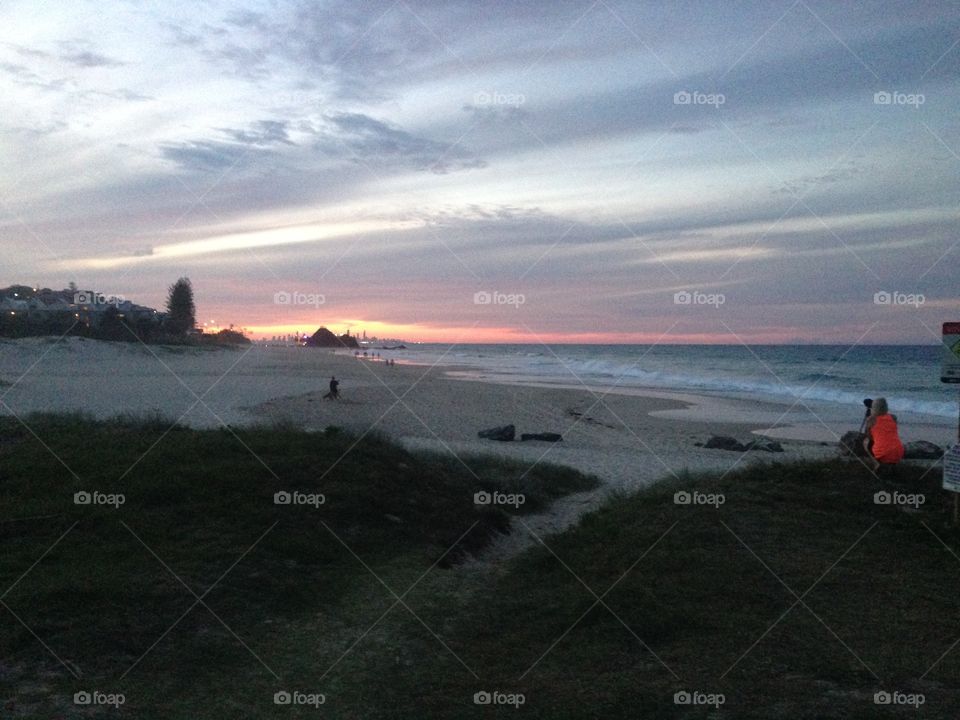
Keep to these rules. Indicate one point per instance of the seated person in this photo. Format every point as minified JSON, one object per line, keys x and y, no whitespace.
{"x":883,"y":441}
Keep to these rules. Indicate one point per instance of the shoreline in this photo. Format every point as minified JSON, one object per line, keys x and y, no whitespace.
{"x":768,"y":416}
{"x":418,"y":404}
{"x":425,"y":405}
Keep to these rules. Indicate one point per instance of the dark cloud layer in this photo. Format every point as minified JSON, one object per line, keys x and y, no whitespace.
{"x":88,"y":59}
{"x":378,"y":143}
{"x":352,"y":137}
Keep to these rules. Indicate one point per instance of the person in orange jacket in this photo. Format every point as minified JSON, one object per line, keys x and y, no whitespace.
{"x":883,"y":441}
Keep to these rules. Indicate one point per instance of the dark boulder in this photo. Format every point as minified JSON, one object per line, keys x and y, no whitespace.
{"x":922,"y":450}
{"x":764,"y":444}
{"x":545,"y":436}
{"x":723,"y":442}
{"x":504,"y":433}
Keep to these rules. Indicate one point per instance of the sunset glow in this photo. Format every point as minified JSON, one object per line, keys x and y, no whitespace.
{"x":399,"y":159}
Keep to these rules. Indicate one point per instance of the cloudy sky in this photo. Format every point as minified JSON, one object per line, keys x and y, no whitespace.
{"x":600,"y":171}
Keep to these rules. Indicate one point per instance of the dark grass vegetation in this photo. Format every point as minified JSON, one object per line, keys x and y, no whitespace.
{"x":798,"y":597}
{"x":199,"y":538}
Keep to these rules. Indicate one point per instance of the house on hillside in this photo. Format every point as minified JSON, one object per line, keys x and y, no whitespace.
{"x":48,"y":311}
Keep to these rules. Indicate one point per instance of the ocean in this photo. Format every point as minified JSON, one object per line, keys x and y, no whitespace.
{"x":829,"y":381}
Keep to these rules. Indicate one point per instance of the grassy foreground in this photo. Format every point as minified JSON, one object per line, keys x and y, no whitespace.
{"x":797,"y":597}
{"x":199,"y":597}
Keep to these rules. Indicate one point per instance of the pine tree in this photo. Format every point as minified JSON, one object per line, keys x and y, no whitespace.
{"x":182,"y":313}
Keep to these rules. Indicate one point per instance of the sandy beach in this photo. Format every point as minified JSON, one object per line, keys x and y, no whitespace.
{"x":627,"y":438}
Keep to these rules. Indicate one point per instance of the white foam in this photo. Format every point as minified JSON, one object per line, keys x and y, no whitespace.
{"x":500,"y":365}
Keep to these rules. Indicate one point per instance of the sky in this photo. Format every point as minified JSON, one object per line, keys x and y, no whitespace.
{"x":462,"y":171}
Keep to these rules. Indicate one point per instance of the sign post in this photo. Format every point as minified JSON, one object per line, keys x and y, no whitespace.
{"x":951,"y":353}
{"x":951,"y":475}
{"x":951,"y":374}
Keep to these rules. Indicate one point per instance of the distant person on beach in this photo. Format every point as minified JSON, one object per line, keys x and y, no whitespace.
{"x":883,"y":441}
{"x":334,"y":393}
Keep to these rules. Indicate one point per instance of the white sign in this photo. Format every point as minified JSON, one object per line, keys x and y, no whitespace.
{"x":951,"y":353}
{"x":951,"y":469}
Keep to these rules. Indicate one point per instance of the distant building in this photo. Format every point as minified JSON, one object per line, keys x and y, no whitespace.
{"x":47,"y":309}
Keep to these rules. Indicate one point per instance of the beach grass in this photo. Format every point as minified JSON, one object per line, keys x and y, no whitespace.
{"x":191,"y":512}
{"x":796,"y":596}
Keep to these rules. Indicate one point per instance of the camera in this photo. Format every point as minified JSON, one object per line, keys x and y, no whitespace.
{"x":868,"y":403}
